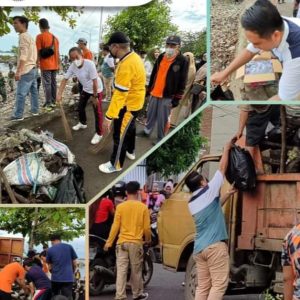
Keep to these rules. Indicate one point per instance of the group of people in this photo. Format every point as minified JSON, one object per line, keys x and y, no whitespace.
{"x":267,"y":30}
{"x":49,"y":275}
{"x":161,"y":87}
{"x":125,"y":212}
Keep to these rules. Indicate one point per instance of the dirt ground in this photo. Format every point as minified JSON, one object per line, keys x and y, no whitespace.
{"x":228,"y":39}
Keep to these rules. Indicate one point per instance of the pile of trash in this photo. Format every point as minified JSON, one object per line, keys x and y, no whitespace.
{"x":38,"y":169}
{"x":271,"y":147}
{"x":224,"y":32}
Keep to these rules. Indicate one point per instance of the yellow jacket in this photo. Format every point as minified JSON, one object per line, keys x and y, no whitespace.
{"x":129,"y":86}
{"x":132,"y":222}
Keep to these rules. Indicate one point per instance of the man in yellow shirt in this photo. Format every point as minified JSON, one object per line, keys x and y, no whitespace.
{"x":127,"y":100}
{"x":132,"y":222}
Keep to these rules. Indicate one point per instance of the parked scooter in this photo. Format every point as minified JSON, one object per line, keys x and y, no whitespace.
{"x":103,"y":269}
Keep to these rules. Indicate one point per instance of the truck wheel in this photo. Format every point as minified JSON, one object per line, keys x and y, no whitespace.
{"x":190,"y":280}
{"x":97,"y":283}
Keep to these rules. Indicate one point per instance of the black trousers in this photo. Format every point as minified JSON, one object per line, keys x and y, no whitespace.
{"x":123,"y":136}
{"x":83,"y":100}
{"x":5,"y":296}
{"x":62,"y":288}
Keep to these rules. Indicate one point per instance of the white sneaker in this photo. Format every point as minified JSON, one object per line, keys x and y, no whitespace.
{"x":96,"y":139}
{"x":131,"y":156}
{"x":79,"y":126}
{"x":108,"y":168}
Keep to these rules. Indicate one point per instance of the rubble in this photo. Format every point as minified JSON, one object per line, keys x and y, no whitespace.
{"x":225,"y":35}
{"x":34,"y":164}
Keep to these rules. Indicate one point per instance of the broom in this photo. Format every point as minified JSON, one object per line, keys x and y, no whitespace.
{"x":65,"y":123}
{"x":100,"y":146}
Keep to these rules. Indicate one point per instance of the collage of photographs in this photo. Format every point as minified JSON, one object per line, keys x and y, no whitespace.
{"x":150,"y":150}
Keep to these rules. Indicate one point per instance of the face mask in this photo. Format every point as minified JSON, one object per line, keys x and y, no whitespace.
{"x":170,"y":52}
{"x":77,"y":62}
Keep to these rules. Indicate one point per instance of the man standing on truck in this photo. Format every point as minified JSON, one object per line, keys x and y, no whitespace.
{"x":11,"y":273}
{"x":132,"y":222}
{"x":210,"y":249}
{"x":290,"y":258}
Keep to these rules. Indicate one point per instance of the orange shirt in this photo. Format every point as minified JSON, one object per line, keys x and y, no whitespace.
{"x":44,"y":40}
{"x":160,"y":81}
{"x":9,"y":274}
{"x":87,"y":54}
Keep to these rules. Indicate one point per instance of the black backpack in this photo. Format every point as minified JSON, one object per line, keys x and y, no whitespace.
{"x":48,"y":51}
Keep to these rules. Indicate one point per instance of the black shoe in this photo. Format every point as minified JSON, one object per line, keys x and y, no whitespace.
{"x":143,"y":296}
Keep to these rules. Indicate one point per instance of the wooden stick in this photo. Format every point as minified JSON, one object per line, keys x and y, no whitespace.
{"x":283,"y":139}
{"x":8,"y":188}
{"x":65,"y":123}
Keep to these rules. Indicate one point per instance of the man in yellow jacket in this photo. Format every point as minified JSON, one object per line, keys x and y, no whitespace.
{"x":132,"y":222}
{"x":127,"y":100}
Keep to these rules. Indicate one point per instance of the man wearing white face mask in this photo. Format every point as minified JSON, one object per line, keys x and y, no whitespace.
{"x":86,"y":73}
{"x":166,"y":86}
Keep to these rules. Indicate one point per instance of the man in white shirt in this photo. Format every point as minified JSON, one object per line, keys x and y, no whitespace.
{"x":86,"y":73}
{"x":268,"y":31}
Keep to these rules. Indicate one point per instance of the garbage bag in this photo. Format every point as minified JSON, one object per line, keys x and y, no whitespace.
{"x":241,"y":169}
{"x":70,"y":188}
{"x":30,"y":169}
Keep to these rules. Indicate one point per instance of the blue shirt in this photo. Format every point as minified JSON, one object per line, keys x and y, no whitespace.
{"x":61,"y":257}
{"x":207,"y":212}
{"x":38,"y":277}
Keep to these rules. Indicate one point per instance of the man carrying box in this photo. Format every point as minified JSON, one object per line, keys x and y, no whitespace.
{"x":267,"y":30}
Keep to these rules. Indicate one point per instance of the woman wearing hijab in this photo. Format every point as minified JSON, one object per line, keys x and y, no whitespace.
{"x":180,"y":110}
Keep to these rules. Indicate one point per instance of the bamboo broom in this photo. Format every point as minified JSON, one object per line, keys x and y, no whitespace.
{"x":65,"y":123}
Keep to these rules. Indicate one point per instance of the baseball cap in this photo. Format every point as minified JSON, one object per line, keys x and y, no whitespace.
{"x":81,"y":41}
{"x":173,"y":39}
{"x":118,"y":37}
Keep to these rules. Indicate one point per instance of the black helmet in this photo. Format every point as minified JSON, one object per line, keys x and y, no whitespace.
{"x":119,"y":189}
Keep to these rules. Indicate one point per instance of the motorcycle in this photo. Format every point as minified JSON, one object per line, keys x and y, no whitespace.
{"x":103,"y":270}
{"x":78,"y":287}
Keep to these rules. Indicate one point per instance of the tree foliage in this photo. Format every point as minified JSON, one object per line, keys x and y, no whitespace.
{"x":38,"y":223}
{"x":32,"y":13}
{"x":179,"y":152}
{"x":147,"y":26}
{"x":194,"y":42}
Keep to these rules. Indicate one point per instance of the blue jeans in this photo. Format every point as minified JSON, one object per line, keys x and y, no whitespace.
{"x":27,"y":84}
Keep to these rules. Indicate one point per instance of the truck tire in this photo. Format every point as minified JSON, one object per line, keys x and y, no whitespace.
{"x":96,"y":284}
{"x":190,"y":279}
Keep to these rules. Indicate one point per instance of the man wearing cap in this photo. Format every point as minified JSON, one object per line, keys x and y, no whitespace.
{"x":166,"y":86}
{"x":86,"y":53}
{"x":127,"y":100}
{"x":48,"y":65}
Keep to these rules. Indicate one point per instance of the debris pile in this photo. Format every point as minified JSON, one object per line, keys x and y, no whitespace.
{"x":224,"y":32}
{"x":272,"y":146}
{"x":35,"y":168}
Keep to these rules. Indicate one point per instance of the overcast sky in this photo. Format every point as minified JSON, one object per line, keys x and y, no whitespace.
{"x":78,"y":243}
{"x":189,"y":15}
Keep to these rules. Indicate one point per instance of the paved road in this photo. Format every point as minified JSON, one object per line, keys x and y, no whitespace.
{"x":167,"y":285}
{"x":164,"y":285}
{"x":95,"y":181}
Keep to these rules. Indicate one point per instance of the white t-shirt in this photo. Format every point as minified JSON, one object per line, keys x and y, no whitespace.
{"x":85,"y":75}
{"x":109,"y":60}
{"x":288,"y":52}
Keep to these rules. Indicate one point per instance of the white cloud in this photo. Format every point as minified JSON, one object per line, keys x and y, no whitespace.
{"x":189,"y":15}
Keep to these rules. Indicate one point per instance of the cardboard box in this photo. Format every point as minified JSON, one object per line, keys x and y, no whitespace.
{"x":268,"y":70}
